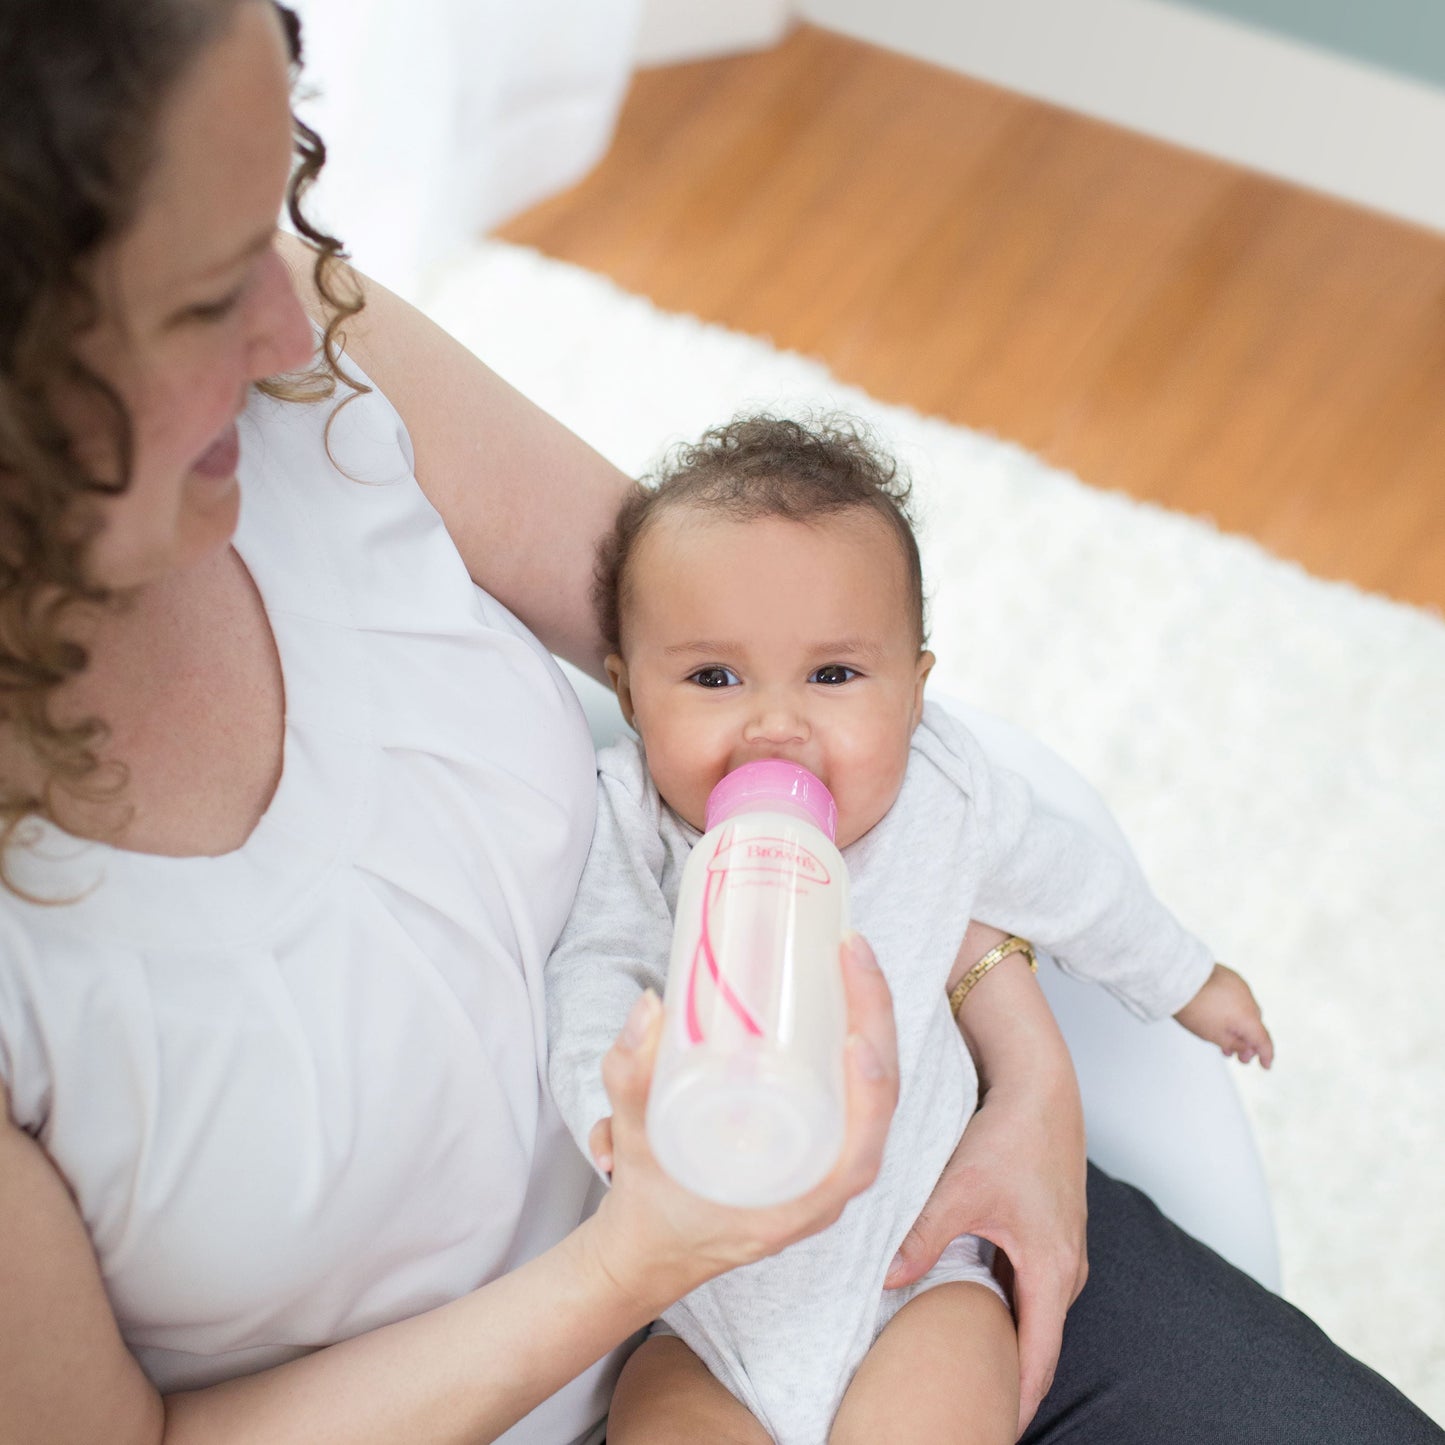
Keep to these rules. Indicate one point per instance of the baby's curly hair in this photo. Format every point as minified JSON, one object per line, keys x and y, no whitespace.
{"x":763,"y":466}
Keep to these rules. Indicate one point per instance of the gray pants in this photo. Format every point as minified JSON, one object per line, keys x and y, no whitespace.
{"x":1168,"y":1343}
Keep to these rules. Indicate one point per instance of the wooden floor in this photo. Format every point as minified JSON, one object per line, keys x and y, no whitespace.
{"x":1152,"y":320}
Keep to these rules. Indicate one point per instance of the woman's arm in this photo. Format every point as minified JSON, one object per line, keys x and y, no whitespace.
{"x":65,"y":1373}
{"x":523,"y":498}
{"x":464,"y":1372}
{"x":1018,"y":1175}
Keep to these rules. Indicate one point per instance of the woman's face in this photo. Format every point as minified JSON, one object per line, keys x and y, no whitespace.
{"x":195,"y":306}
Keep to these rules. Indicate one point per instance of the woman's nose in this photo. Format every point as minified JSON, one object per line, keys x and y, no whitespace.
{"x":281,"y":338}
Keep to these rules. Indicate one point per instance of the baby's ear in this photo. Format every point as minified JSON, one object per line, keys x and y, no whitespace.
{"x":617,"y":676}
{"x":925,"y":665}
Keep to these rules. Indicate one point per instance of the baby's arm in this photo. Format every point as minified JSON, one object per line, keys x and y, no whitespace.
{"x":1058,"y":886}
{"x":1224,"y":1012}
{"x":1050,"y":880}
{"x":613,"y":947}
{"x":1097,"y":914}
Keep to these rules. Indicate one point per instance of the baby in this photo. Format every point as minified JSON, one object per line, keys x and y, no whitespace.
{"x":764,"y":600}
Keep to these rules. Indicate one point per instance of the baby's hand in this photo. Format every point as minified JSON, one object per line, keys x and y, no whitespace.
{"x":1225,"y":1013}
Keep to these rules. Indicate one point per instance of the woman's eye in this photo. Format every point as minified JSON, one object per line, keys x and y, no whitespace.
{"x":715,"y":677}
{"x":833,"y":674}
{"x":214,"y":310}
{"x":217,"y":310}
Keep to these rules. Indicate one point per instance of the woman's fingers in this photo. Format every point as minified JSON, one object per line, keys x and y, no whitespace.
{"x":648,"y":1217}
{"x":1045,"y":1283}
{"x":627,"y":1065}
{"x":920,"y":1249}
{"x":599,"y":1144}
{"x":1043,"y":1287}
{"x":942,"y":1219}
{"x":1017,"y":1179}
{"x":1041,"y":1299}
{"x":871,"y":1065}
{"x":870,"y":1078}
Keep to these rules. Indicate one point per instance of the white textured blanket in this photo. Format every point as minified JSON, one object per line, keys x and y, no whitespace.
{"x":1273,"y":744}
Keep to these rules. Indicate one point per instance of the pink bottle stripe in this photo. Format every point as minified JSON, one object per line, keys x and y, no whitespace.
{"x":704,"y":952}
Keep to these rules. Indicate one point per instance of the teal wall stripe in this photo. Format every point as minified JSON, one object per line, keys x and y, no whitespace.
{"x":1406,"y":36}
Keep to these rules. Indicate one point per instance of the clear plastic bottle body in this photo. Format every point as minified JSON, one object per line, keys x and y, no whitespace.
{"x":747,"y":1102}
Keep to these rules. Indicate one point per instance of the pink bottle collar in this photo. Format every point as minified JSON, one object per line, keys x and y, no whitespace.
{"x":773,"y":782}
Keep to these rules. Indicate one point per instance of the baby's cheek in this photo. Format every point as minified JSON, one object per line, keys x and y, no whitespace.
{"x":882,"y":781}
{"x":863,"y":807}
{"x":682,"y":789}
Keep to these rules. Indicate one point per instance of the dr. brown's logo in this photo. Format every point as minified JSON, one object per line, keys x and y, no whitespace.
{"x":771,"y":855}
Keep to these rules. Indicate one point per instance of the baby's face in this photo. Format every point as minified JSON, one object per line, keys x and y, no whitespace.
{"x":772,"y":639}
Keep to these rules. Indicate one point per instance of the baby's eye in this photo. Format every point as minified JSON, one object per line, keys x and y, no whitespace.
{"x":715,"y":677}
{"x":833,"y":674}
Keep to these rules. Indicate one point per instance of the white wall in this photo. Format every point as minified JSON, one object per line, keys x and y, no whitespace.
{"x":677,"y":30}
{"x":1196,"y":79}
{"x":444,"y":118}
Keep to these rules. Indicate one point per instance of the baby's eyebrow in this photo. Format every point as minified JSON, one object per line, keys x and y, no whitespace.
{"x":703,"y":648}
{"x":863,"y":648}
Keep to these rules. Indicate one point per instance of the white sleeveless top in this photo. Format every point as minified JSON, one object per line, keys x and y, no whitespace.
{"x":298,"y":1090}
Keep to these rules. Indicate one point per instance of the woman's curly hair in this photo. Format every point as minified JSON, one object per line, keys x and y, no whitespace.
{"x":763,"y":466}
{"x":85,"y":82}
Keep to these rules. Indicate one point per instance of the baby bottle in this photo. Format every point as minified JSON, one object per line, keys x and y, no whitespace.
{"x":747,"y":1099}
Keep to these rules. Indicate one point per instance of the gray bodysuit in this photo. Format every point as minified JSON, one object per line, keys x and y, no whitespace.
{"x":964,"y":840}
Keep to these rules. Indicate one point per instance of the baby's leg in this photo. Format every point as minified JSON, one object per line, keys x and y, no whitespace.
{"x":944,"y":1371}
{"x":667,"y":1396}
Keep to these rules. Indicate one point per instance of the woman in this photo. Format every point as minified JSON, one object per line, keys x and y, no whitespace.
{"x":293,"y":812}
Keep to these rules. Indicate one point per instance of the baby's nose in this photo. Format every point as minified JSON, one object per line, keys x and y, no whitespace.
{"x":777,"y":720}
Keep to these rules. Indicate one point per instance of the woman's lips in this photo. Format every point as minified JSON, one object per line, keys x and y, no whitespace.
{"x":222,"y":457}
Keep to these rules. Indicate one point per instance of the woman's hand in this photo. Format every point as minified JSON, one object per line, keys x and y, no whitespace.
{"x":1015,"y":1180}
{"x":657,"y":1240}
{"x":1018,"y":1176}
